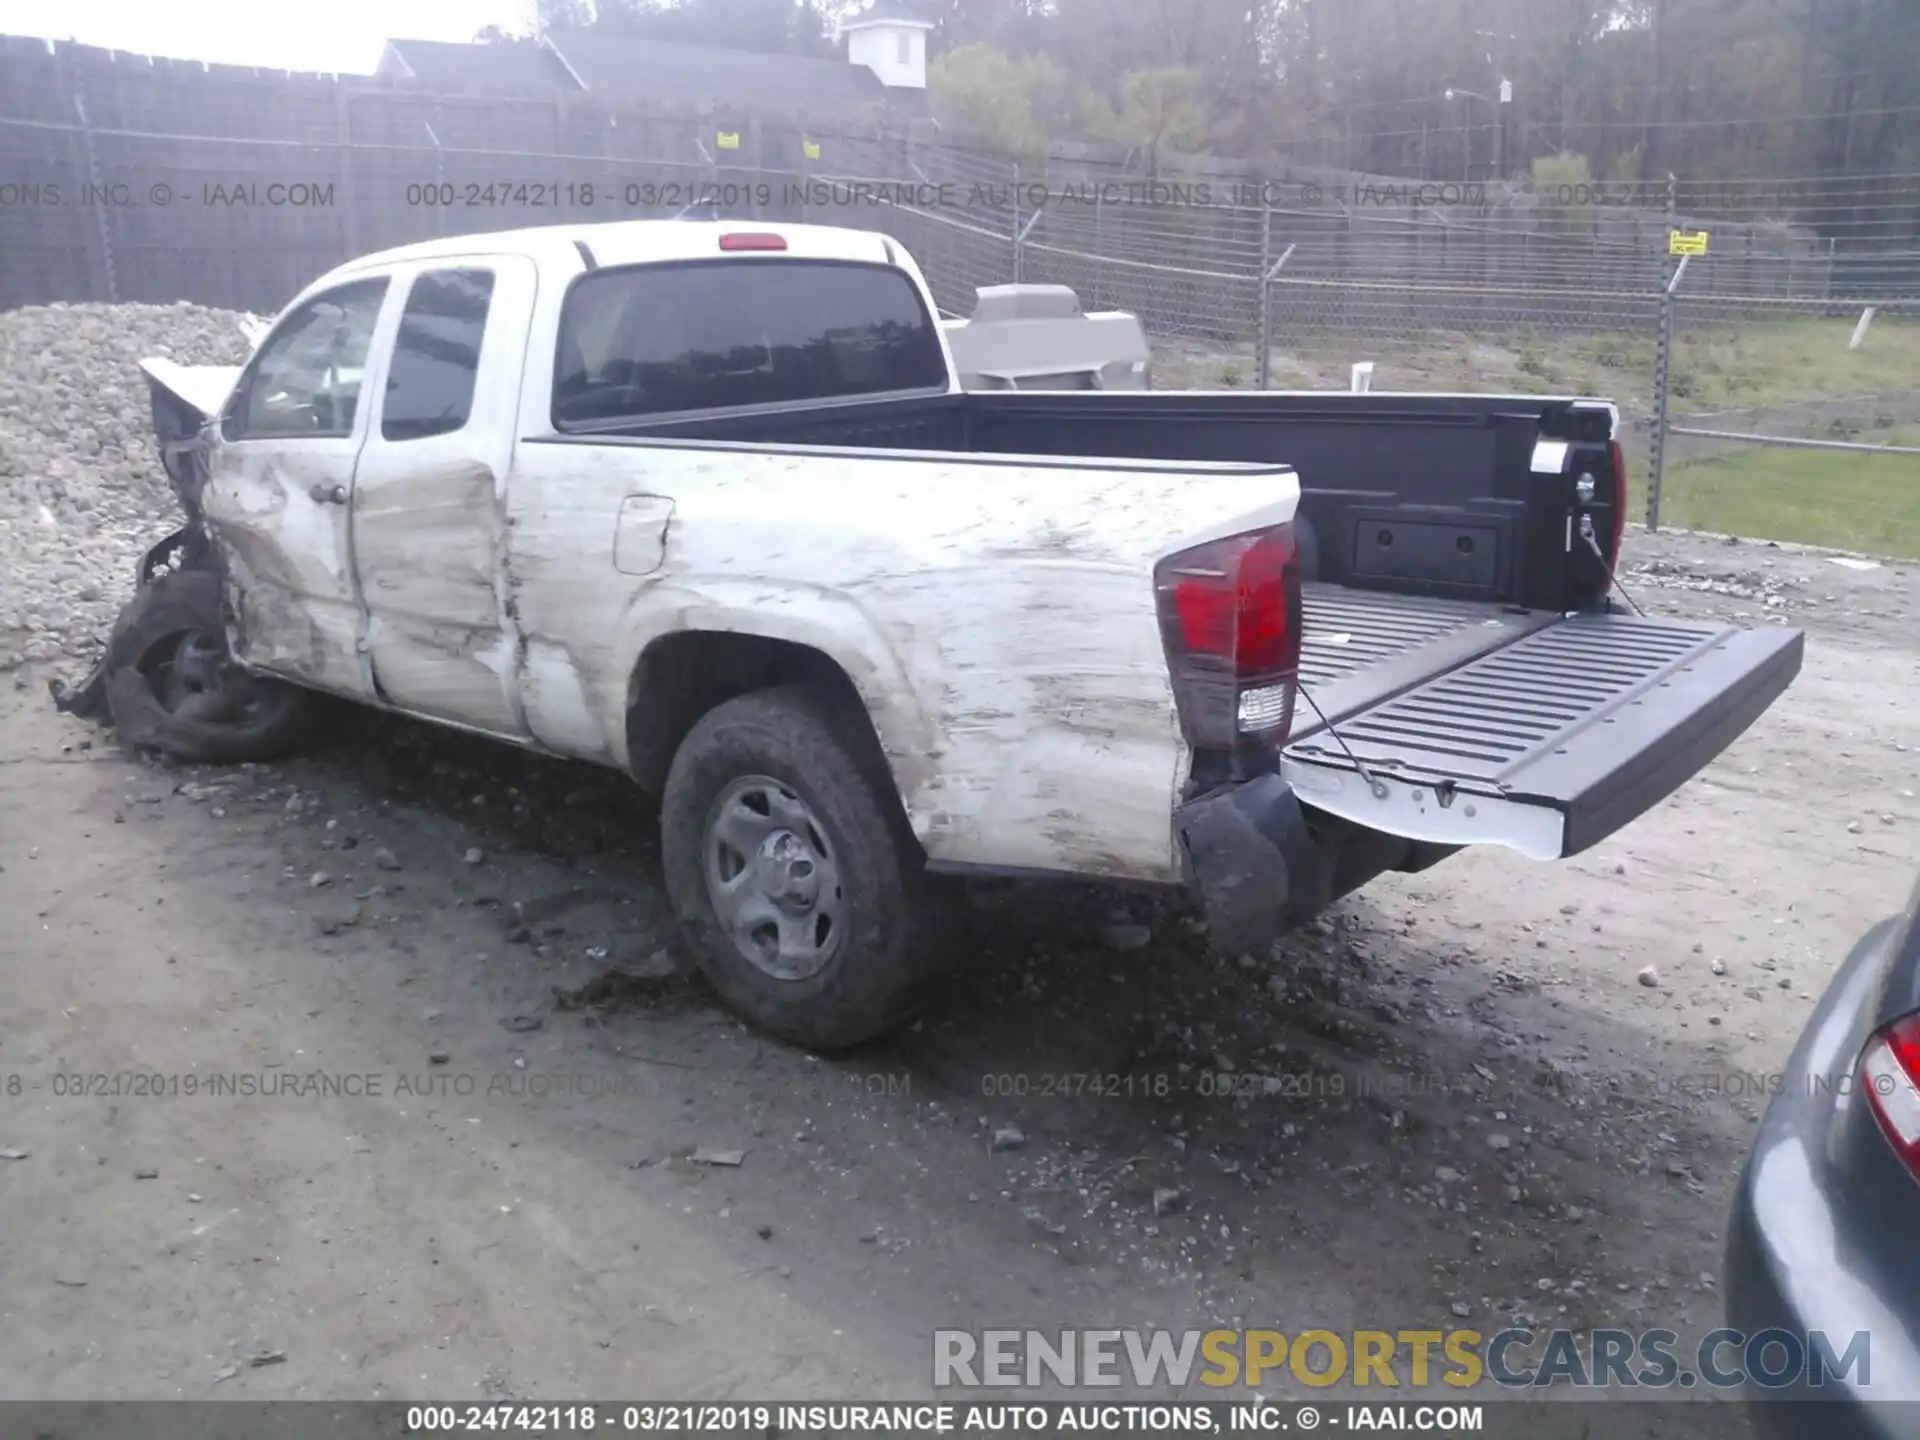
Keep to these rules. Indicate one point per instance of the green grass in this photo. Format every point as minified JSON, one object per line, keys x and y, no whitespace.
{"x":1715,"y":366}
{"x":1784,"y":360}
{"x":1816,"y":497}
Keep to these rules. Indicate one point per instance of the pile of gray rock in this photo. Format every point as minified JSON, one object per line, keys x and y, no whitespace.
{"x":82,"y":493}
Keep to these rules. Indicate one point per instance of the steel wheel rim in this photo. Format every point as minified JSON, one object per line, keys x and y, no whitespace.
{"x":772,"y":878}
{"x":194,"y":663}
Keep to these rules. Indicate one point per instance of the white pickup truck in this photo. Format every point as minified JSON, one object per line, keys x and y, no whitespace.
{"x":704,"y":503}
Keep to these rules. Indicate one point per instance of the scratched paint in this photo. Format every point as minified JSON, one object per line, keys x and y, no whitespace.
{"x":998,"y":620}
{"x":996,"y":616}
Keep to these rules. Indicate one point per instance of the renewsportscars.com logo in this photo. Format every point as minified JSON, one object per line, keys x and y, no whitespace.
{"x":1513,"y":1359}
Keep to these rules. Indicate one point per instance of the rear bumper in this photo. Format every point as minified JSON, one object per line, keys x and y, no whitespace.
{"x":1252,"y":862}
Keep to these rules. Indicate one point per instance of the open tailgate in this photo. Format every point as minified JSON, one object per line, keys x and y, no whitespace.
{"x":1550,"y":742}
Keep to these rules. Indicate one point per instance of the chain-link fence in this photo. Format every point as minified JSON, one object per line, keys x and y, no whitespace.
{"x":1770,"y":381}
{"x":1768,"y":387}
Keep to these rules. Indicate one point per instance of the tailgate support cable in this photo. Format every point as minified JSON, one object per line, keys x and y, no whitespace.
{"x":1613,"y":576}
{"x":1378,"y":787}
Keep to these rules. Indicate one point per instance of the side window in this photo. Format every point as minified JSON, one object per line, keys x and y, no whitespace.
{"x":305,"y":382}
{"x":436,"y":354}
{"x":903,"y":48}
{"x":714,"y":335}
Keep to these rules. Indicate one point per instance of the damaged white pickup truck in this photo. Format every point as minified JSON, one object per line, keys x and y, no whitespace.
{"x":705,"y":504}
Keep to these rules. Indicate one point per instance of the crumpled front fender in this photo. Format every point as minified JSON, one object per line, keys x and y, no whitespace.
{"x":185,"y":549}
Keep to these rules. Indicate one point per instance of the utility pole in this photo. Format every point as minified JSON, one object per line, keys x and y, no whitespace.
{"x":1499,"y":127}
{"x":1497,"y":42}
{"x":1500,"y":130}
{"x":1650,"y":133}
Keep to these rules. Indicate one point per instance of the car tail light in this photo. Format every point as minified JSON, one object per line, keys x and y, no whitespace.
{"x":753,"y":240}
{"x":1619,"y":501}
{"x":1890,"y":1070}
{"x":1230,"y":620}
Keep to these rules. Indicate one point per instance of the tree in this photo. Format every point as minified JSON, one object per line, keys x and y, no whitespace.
{"x":1159,"y":107}
{"x":1015,"y":26}
{"x":1226,"y":42}
{"x":1013,"y":103}
{"x":792,"y":27}
{"x":552,"y":16}
{"x":1706,"y":89}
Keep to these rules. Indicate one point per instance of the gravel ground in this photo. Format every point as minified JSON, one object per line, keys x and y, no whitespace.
{"x":82,"y":494}
{"x":1496,"y":1092}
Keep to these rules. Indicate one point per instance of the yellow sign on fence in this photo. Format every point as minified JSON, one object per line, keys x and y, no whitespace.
{"x":812,"y":149}
{"x":1687,"y":242}
{"x":729,"y":139}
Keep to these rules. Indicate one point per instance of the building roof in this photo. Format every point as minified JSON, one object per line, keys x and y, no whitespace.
{"x":458,"y":68}
{"x":889,"y":12}
{"x":669,"y":71}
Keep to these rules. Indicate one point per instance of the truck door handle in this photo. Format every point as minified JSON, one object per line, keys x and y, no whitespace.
{"x":328,"y":494}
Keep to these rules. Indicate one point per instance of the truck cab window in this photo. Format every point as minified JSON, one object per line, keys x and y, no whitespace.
{"x":714,"y":335}
{"x":436,"y":355}
{"x":305,"y":381}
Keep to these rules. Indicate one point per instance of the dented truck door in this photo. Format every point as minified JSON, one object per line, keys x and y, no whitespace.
{"x":429,"y":509}
{"x":280,"y":484}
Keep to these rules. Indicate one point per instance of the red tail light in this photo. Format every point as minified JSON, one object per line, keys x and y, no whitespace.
{"x":1619,"y":501}
{"x":1230,"y":621}
{"x":753,"y":240}
{"x":1890,"y":1070}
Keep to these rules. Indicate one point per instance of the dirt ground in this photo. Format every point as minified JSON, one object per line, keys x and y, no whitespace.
{"x":1454,"y":1102}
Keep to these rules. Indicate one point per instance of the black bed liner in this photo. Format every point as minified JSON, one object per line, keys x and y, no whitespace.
{"x":1594,"y":717}
{"x":1460,"y":497}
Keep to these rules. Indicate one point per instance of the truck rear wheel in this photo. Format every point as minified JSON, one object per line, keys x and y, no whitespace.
{"x":788,"y":867}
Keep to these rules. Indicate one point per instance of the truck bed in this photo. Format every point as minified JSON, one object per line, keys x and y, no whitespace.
{"x":1466,"y":679}
{"x":1461,"y":497}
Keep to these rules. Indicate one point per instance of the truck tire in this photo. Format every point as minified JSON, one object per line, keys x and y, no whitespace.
{"x":790,"y":867}
{"x":173,"y":686}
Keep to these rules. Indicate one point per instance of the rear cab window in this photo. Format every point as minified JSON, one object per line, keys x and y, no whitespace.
{"x":666,"y":339}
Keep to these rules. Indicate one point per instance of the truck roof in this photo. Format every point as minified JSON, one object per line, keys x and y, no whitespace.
{"x":632,"y":242}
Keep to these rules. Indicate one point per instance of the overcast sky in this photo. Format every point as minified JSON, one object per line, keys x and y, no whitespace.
{"x":342,"y":35}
